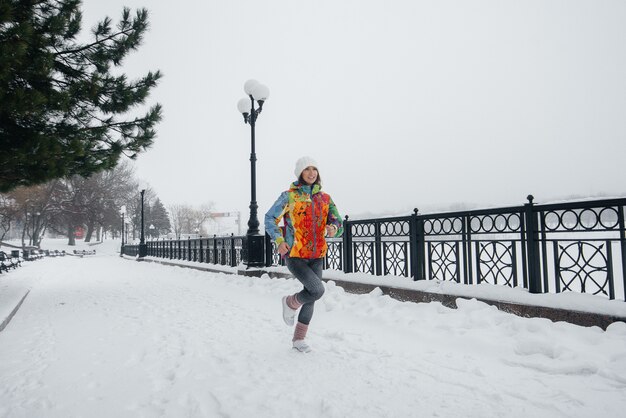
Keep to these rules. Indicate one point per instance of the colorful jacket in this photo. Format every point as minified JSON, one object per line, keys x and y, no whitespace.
{"x":306,"y":212}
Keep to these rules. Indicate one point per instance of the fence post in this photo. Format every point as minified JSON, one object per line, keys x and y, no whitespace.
{"x":233,"y":258}
{"x":532,"y":243}
{"x":347,"y":246}
{"x":622,"y":239}
{"x":269,"y":259}
{"x":416,"y":241}
{"x":467,"y":252}
{"x":378,"y":251}
{"x":216,"y":259}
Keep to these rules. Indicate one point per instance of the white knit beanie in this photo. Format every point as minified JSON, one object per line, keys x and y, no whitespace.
{"x":303,"y":163}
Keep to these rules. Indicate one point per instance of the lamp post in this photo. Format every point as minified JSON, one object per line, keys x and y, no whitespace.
{"x":143,"y":248}
{"x":152,"y":236}
{"x":123,"y":213}
{"x":253,"y":253}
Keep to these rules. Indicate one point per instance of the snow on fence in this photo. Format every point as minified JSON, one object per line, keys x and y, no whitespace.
{"x":573,"y":246}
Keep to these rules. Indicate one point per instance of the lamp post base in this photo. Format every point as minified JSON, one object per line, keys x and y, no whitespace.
{"x":253,"y":250}
{"x":143,"y":250}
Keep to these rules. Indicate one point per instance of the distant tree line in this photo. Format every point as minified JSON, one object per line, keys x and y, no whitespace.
{"x":91,"y":204}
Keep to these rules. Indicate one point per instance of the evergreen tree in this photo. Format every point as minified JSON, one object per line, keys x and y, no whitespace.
{"x":62,"y":111}
{"x":159,"y":218}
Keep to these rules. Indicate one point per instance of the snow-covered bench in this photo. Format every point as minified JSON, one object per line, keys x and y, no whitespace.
{"x":84,"y":252}
{"x":7,"y":262}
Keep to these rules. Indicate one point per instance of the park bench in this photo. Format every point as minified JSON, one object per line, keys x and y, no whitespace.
{"x":15,"y":254}
{"x":84,"y":252}
{"x":7,"y":262}
{"x":31,"y":255}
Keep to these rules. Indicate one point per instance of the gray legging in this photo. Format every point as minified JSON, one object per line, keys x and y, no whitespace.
{"x":309,"y":272}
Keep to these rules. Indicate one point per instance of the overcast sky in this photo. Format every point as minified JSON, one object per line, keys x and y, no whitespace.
{"x":404,"y":103}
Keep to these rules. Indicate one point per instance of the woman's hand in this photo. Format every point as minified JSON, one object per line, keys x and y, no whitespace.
{"x":283,"y":249}
{"x":331,"y":230}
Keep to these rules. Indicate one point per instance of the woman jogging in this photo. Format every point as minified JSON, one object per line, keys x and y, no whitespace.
{"x":309,"y":215}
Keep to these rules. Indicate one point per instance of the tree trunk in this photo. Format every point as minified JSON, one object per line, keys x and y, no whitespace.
{"x":35,"y":235}
{"x":40,"y":236}
{"x":24,"y":234}
{"x":89,"y":232}
{"x":70,"y":235}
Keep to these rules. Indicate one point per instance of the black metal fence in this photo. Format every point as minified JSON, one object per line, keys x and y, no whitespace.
{"x":574,"y":246}
{"x":224,"y":251}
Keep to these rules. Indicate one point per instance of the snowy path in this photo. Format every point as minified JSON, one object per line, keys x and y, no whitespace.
{"x":107,"y":337}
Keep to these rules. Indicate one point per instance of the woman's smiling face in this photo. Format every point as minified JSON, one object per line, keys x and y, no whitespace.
{"x":309,"y":175}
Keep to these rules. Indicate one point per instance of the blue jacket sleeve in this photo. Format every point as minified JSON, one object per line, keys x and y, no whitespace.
{"x":273,"y":217}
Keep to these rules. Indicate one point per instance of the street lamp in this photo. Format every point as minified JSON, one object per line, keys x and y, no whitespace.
{"x":253,"y":253}
{"x":143,"y":248}
{"x":123,"y":213}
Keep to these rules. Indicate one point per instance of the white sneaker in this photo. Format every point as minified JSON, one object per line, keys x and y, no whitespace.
{"x":288,"y":313}
{"x":301,"y":346}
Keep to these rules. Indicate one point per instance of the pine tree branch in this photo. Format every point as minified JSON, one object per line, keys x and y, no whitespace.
{"x":91,"y":45}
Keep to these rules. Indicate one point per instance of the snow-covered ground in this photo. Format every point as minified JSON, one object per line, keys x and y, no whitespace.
{"x":102,"y":336}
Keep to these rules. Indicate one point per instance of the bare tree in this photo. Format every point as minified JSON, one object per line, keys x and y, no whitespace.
{"x":106,"y":192}
{"x":179,"y":215}
{"x":9,"y":213}
{"x":187,"y":220}
{"x":36,"y":207}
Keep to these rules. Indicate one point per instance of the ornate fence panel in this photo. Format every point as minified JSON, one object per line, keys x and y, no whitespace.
{"x":334,"y":255}
{"x":376,"y":246}
{"x":583,"y":248}
{"x":499,"y":240}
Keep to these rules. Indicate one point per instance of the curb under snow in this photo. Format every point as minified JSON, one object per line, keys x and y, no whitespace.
{"x":11,"y":314}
